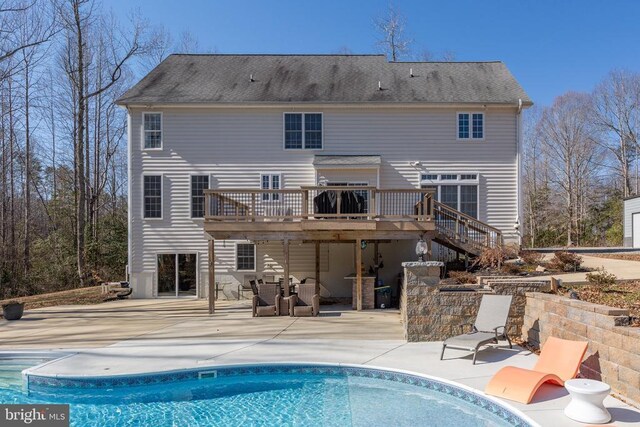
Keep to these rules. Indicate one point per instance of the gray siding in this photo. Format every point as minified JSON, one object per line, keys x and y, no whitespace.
{"x":631,"y":206}
{"x":234,"y":146}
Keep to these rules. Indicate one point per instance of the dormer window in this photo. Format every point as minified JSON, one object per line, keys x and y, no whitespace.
{"x":470,"y":125}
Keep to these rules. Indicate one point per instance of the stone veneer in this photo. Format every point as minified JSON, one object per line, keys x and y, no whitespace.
{"x":613,"y":355}
{"x":434,"y":312}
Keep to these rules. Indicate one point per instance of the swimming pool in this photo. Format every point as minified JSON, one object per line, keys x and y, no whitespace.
{"x":267,"y":395}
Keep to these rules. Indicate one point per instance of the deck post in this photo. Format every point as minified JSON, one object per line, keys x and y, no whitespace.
{"x":212,"y":277}
{"x":317,"y":267}
{"x":358,"y":274}
{"x":285,"y":282}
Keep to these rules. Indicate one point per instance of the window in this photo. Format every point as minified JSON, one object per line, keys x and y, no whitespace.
{"x":152,"y":196}
{"x":152,"y":131}
{"x":470,"y":125}
{"x":429,"y":177}
{"x":469,"y":200}
{"x":199,"y":183}
{"x":270,"y":182}
{"x":245,"y":257}
{"x":303,"y":131}
{"x":458,"y":191}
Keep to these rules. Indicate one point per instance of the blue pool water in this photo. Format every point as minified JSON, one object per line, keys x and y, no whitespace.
{"x":266,"y":396}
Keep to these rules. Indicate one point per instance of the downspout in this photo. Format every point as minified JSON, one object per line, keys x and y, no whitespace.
{"x":518,"y":225}
{"x":129,"y":198}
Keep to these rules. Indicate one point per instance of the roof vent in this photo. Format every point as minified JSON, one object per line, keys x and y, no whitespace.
{"x":410,"y":72}
{"x":379,"y":85}
{"x":251,"y":79}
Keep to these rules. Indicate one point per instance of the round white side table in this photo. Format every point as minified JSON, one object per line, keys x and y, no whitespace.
{"x":587,"y":398}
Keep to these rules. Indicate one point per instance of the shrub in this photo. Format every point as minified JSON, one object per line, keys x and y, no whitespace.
{"x":492,"y":258}
{"x":463,"y":277}
{"x":531,"y":257}
{"x":601,"y":277}
{"x":511,"y":269}
{"x":565,"y":261}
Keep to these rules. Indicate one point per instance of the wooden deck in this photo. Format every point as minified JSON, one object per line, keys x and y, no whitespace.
{"x":339,"y":214}
{"x":319,"y":213}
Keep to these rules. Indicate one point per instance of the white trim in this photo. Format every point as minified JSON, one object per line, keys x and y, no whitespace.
{"x":255,"y":256}
{"x":142,"y":130}
{"x":161,"y":175}
{"x":312,"y":105}
{"x":191,"y":175}
{"x":303,"y":148}
{"x":471,"y":138}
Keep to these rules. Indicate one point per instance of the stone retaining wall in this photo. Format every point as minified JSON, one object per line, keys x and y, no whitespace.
{"x":433,"y":312}
{"x":613,"y":355}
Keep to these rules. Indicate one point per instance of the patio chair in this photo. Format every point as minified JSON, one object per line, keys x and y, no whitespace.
{"x":306,"y":302}
{"x":267,"y":301}
{"x":559,"y":361}
{"x":489,"y":327}
{"x":246,"y":286}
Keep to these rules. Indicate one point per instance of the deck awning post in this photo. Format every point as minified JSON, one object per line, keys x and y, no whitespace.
{"x":285,"y":282}
{"x":358,"y":274}
{"x":212,"y":277}
{"x":317,"y":268}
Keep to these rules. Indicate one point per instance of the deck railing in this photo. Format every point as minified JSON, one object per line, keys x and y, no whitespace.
{"x":327,"y":202}
{"x":465,"y":229}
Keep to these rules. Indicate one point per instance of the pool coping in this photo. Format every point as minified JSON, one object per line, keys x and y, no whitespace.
{"x":157,"y":377}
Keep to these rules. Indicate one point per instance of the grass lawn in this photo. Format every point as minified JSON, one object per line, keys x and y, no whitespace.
{"x":89,"y":295}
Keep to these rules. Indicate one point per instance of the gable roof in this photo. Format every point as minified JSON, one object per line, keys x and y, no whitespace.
{"x":207,"y":79}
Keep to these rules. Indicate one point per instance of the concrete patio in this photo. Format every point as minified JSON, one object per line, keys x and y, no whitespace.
{"x":153,"y":335}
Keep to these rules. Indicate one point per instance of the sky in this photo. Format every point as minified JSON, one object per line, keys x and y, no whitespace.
{"x":551,"y":47}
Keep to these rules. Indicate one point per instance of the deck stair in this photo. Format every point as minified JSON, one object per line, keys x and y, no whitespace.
{"x":463,"y":233}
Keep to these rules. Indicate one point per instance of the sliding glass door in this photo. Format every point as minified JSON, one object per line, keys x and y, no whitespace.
{"x":177,"y":275}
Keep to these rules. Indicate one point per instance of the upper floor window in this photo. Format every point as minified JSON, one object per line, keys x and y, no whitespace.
{"x":199,"y":183}
{"x":470,"y":125}
{"x":270,"y":182}
{"x":152,"y":196}
{"x":152,"y":130}
{"x":303,"y":131}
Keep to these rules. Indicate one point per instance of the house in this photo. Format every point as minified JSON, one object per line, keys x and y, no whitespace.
{"x":631,"y":223}
{"x":267,"y":166}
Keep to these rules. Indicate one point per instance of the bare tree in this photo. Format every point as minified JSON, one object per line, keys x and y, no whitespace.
{"x":392,"y":38}
{"x":14,"y":15}
{"x":159,"y":46}
{"x":77,"y":17}
{"x":616,"y":111}
{"x":570,"y":145}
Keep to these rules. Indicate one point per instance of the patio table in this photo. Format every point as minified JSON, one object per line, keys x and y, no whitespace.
{"x":587,"y":397}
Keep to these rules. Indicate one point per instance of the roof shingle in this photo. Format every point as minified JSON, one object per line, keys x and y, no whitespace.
{"x":205,"y":79}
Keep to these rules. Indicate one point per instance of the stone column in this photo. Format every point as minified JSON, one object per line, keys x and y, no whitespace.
{"x":421,"y":278}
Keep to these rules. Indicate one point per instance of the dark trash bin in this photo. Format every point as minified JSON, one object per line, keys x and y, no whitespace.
{"x":383,"y":296}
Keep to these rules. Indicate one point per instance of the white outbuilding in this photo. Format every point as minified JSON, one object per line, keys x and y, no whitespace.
{"x":632,"y":221}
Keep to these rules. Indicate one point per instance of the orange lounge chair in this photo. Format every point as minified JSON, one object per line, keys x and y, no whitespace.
{"x":559,"y":361}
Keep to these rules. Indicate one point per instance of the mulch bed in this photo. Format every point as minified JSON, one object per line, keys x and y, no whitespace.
{"x":626,"y":257}
{"x":89,"y":295}
{"x":621,"y":295}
